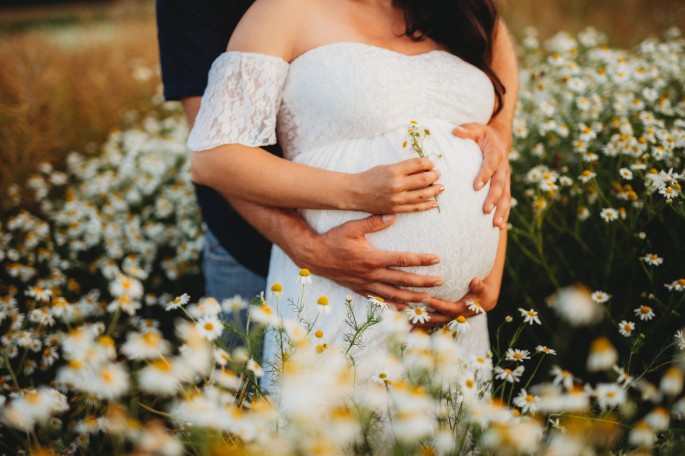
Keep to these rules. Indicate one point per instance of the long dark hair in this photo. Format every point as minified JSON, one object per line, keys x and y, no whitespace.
{"x":466,"y":27}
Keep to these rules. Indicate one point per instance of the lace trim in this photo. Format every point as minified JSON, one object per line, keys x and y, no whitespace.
{"x":241,"y":101}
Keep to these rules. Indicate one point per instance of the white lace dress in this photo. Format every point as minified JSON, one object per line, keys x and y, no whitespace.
{"x":346,"y":107}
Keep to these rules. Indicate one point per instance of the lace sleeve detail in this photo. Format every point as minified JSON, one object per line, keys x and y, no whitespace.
{"x":241,"y":101}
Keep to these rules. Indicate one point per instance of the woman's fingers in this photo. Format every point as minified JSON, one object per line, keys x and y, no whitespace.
{"x":420,"y":180}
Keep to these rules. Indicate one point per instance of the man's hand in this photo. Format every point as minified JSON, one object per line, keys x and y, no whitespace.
{"x":481,"y":298}
{"x":343,"y":255}
{"x":495,"y":168}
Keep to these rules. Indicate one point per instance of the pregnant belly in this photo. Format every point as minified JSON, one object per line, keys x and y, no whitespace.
{"x":459,"y":233}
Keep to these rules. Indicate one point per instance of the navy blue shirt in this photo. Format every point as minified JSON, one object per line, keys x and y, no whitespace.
{"x":192,"y":34}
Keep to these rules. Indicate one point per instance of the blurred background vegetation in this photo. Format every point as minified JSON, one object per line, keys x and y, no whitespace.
{"x":72,"y":70}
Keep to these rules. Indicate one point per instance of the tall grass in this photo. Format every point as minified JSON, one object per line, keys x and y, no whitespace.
{"x":62,"y":89}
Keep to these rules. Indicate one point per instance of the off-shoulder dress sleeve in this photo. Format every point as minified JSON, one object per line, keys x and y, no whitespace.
{"x":241,"y":101}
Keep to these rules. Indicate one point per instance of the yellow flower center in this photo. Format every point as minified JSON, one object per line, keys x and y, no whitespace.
{"x":530,"y":398}
{"x":33,"y":397}
{"x":532,"y":313}
{"x":276,"y":287}
{"x":470,"y":383}
{"x":318,"y":333}
{"x":305,"y":273}
{"x":645,"y":309}
{"x":322,"y":301}
{"x":161,"y":365}
{"x":266,"y":309}
{"x":382,"y":375}
{"x":507,"y":371}
{"x":461,"y":319}
{"x":106,"y":376}
{"x":106,"y":341}
{"x":418,"y":311}
{"x":209,"y":325}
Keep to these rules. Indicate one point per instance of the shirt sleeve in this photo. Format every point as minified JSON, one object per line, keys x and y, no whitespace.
{"x":241,"y":101}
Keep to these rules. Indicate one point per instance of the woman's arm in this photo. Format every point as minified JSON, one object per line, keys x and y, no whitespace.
{"x":255,"y":175}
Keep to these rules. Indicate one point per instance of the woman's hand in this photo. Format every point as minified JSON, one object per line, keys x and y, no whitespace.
{"x":495,"y":168}
{"x":406,"y":186}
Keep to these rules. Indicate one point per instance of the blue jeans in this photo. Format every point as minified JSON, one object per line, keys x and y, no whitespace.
{"x":225,"y":278}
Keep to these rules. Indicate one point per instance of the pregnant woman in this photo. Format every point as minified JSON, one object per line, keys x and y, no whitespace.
{"x":338,"y":83}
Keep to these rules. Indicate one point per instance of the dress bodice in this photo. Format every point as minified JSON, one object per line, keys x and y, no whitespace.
{"x":332,"y":93}
{"x":349,"y":90}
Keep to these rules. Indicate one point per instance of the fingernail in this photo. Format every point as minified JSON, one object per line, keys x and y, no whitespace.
{"x":500,"y":222}
{"x":479,"y":184}
{"x":425,"y":301}
{"x":387,"y":218}
{"x":439,"y":283}
{"x":489,"y":208}
{"x":441,"y":188}
{"x":435,"y":261}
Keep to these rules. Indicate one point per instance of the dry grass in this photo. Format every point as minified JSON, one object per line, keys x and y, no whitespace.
{"x":626,"y":22}
{"x":63,"y":88}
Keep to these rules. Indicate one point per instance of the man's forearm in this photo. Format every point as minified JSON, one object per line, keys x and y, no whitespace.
{"x":505,"y":66}
{"x":284,"y":227}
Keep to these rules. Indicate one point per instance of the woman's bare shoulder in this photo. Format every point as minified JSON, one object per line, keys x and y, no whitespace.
{"x":273,"y":27}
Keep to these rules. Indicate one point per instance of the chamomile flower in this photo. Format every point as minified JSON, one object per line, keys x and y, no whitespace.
{"x":234,"y":304}
{"x":304,"y":277}
{"x":626,"y":328}
{"x":641,"y":435}
{"x":210,"y":327}
{"x":680,"y":339}
{"x":517,"y":355}
{"x":602,"y":355}
{"x":626,"y":173}
{"x":668,"y":192}
{"x":39,"y":294}
{"x":264,"y":314}
{"x":179,"y":301}
{"x":624,"y":378}
{"x":672,"y":382}
{"x":600,"y":297}
{"x":645,"y":313}
{"x":530,"y":316}
{"x":545,"y":350}
{"x":676,"y":285}
{"x":609,"y":214}
{"x":586,"y":176}
{"x":417,"y":314}
{"x":221,"y":356}
{"x":562,"y":377}
{"x":609,"y":395}
{"x":255,"y":368}
{"x":653,"y":259}
{"x":276,"y":290}
{"x":323,"y":305}
{"x":475,"y":306}
{"x":378,"y":302}
{"x":526,"y":402}
{"x":459,"y":325}
{"x":383,"y":376}
{"x":159,"y":378}
{"x":509,"y":375}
